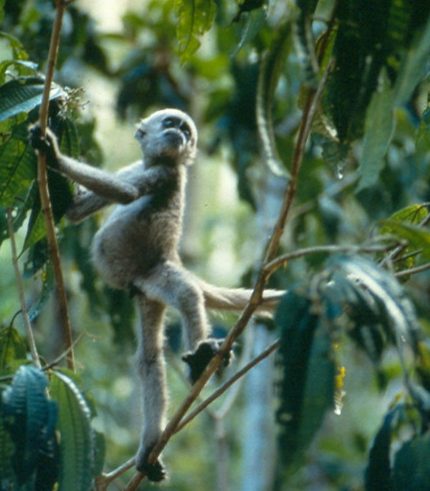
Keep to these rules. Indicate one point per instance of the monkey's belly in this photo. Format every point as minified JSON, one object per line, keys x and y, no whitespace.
{"x":125,"y":250}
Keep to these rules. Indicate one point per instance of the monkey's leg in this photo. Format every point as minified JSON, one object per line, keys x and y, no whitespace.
{"x":152,"y":373}
{"x":170,"y":283}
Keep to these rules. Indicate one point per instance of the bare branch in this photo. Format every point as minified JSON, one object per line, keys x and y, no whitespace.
{"x":282,"y":260}
{"x":20,"y":286}
{"x":42,"y":178}
{"x":238,"y":375}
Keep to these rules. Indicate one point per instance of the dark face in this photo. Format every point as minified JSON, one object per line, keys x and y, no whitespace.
{"x":168,"y":134}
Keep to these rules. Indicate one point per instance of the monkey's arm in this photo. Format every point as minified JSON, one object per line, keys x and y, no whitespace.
{"x":105,"y":185}
{"x":85,"y":203}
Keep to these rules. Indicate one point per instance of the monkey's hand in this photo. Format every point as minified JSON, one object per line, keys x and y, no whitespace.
{"x":47,"y":144}
{"x":155,"y":472}
{"x":199,"y":359}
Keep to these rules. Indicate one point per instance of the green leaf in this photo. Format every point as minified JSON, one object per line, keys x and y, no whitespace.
{"x":22,"y":95}
{"x":379,"y":130}
{"x":12,"y":348}
{"x":307,"y":385}
{"x":374,"y":302}
{"x":378,"y":471}
{"x":76,"y":443}
{"x":17,"y":164}
{"x":415,"y":65}
{"x":195,"y":17}
{"x":2,"y":10}
{"x":413,"y":214}
{"x":33,"y":419}
{"x":417,"y":237}
{"x":411,"y":465}
{"x":7,"y":450}
{"x":271,"y":67}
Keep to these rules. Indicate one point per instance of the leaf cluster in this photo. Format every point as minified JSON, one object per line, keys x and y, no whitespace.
{"x":46,"y":438}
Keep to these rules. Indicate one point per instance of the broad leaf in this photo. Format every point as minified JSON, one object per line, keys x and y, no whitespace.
{"x":17,"y":164}
{"x":195,"y":17}
{"x":307,"y":385}
{"x":22,"y":95}
{"x":32,"y":425}
{"x":411,"y":465}
{"x":375,"y":301}
{"x":76,"y":444}
{"x":378,"y":471}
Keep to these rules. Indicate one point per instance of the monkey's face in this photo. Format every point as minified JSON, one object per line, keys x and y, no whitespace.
{"x":169,"y":133}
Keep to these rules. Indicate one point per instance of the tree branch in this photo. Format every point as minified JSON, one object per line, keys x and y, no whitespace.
{"x":238,"y":375}
{"x":42,"y":178}
{"x":280,"y":261}
{"x":20,"y":286}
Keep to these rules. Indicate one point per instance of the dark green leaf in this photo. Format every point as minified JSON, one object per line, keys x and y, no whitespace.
{"x":17,"y":164}
{"x":270,"y":69}
{"x":33,"y":419}
{"x":307,"y":385}
{"x":7,"y":450}
{"x":76,"y":444}
{"x":22,"y":95}
{"x":411,"y":465}
{"x":373,"y":299}
{"x":378,"y":471}
{"x":415,"y":66}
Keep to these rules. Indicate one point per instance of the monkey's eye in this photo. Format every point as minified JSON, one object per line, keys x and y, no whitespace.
{"x":185,"y":130}
{"x":170,"y":122}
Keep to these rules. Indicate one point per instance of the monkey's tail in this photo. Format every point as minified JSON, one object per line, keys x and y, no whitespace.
{"x":219,"y":298}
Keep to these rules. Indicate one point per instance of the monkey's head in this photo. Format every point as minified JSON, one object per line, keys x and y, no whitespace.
{"x":168,"y":134}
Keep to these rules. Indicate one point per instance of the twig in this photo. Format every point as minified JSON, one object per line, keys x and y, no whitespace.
{"x":42,"y":178}
{"x":238,"y":375}
{"x":415,"y":270}
{"x":278,"y":262}
{"x":103,"y":481}
{"x":256,"y":296}
{"x":20,"y":286}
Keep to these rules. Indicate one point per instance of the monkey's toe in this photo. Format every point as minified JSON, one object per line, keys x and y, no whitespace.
{"x":155,"y":472}
{"x":199,"y":359}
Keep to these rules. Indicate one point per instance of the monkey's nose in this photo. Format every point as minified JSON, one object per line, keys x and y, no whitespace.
{"x":175,"y":138}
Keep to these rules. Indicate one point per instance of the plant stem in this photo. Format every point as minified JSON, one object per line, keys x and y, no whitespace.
{"x":238,"y":375}
{"x":20,"y":286}
{"x":42,"y":178}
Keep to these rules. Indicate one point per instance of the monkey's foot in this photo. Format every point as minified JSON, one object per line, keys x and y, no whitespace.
{"x":155,"y":472}
{"x":199,"y":359}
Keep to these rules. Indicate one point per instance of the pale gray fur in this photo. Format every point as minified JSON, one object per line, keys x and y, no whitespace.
{"x":137,"y":248}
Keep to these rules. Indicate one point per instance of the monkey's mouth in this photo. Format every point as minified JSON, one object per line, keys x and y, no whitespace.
{"x":174,"y":138}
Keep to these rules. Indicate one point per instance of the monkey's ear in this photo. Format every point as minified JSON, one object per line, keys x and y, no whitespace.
{"x":140,"y":132}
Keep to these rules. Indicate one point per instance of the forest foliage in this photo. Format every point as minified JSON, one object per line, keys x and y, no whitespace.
{"x":356,"y":256}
